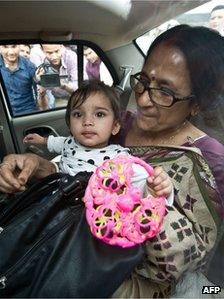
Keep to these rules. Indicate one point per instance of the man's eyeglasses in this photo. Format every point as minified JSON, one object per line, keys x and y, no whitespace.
{"x":158,"y":96}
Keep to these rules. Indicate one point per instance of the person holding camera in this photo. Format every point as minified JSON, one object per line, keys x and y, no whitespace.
{"x":57,"y":76}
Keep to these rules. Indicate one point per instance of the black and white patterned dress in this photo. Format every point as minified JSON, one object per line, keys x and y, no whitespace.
{"x":76,"y":158}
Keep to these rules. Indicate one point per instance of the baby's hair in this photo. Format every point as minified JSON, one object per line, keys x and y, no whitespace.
{"x":88,"y":87}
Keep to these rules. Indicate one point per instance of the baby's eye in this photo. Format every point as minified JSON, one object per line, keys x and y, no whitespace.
{"x":100,"y":114}
{"x":76,"y":114}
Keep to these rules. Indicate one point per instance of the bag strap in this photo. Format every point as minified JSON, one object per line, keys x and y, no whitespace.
{"x":64,"y":184}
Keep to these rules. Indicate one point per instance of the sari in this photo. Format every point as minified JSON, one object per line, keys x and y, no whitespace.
{"x":191,"y":227}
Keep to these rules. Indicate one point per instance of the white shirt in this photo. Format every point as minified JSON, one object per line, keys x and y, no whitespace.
{"x":76,"y":158}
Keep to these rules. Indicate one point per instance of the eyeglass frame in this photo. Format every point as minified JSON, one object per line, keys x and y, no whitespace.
{"x":146,"y":86}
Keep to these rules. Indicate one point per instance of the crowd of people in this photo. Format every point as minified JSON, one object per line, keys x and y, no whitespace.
{"x":179,"y":80}
{"x":23,"y":68}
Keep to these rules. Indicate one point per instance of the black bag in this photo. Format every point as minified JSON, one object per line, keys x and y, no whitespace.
{"x":47,"y":249}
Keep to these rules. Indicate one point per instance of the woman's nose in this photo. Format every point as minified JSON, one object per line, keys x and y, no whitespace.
{"x":144,"y":99}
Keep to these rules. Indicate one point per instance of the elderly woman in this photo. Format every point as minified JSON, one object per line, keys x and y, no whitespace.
{"x":182,"y":75}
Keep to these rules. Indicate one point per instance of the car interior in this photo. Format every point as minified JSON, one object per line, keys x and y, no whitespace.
{"x":119,"y":32}
{"x":115,"y":33}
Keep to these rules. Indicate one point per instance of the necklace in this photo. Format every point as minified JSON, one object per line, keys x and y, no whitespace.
{"x":172,"y":139}
{"x":136,"y":137}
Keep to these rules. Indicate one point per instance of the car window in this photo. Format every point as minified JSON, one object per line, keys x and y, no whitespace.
{"x":200,"y":16}
{"x":211,"y":15}
{"x":39,"y":77}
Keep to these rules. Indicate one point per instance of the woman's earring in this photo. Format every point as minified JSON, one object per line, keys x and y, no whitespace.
{"x":195,"y":110}
{"x":194,"y":113}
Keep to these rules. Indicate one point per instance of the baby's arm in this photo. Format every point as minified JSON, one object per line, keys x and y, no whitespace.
{"x":35,"y":139}
{"x":54,"y":143}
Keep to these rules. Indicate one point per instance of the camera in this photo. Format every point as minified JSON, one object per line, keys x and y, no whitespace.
{"x":51,"y":77}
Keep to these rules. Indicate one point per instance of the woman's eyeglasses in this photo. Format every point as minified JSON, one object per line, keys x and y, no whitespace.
{"x":158,"y":96}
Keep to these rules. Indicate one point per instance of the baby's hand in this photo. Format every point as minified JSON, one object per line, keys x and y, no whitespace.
{"x":160,"y":184}
{"x":35,"y":139}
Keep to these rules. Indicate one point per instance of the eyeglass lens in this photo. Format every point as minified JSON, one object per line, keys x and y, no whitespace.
{"x":158,"y":96}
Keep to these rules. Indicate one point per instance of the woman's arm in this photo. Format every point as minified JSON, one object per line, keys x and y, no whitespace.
{"x":213,"y":152}
{"x":15,"y":170}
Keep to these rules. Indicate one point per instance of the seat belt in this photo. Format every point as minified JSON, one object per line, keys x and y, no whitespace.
{"x":3,"y":151}
{"x":127,"y":69}
{"x":121,"y":88}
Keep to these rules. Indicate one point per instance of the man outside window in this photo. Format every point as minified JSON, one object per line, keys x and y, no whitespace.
{"x":64,"y":62}
{"x":18,"y":73}
{"x":217,"y":19}
{"x":25,"y":50}
{"x":95,"y":68}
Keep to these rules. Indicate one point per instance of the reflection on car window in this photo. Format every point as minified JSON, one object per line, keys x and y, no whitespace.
{"x":94,"y":68}
{"x":210,"y":14}
{"x":57,"y":75}
{"x":42,"y":77}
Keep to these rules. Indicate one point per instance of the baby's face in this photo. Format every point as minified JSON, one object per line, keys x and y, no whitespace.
{"x":93,"y":122}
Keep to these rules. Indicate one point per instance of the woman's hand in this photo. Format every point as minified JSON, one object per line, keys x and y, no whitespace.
{"x":15,"y":170}
{"x":160,"y":183}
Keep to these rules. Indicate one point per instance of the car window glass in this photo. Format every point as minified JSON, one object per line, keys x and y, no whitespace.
{"x":42,"y":77}
{"x":200,"y":16}
{"x":211,"y":15}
